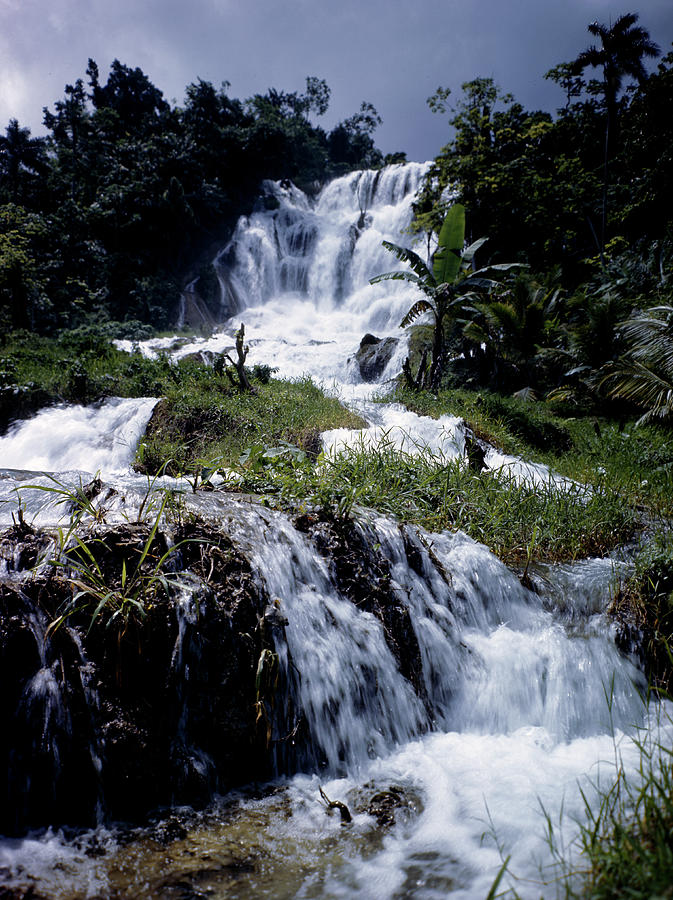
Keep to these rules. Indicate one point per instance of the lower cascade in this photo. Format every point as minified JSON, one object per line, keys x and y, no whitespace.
{"x":313,"y":706}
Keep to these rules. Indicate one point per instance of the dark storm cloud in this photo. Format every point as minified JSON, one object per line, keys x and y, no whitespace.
{"x":392,"y":54}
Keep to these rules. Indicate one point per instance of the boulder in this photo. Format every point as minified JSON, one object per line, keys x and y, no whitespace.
{"x":373,"y":356}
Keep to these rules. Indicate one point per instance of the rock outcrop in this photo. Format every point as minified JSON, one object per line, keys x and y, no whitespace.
{"x":373,"y":356}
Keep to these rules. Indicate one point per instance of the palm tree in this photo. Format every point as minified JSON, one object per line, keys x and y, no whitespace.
{"x":450,"y":282}
{"x":622,"y":49}
{"x":644,"y":375}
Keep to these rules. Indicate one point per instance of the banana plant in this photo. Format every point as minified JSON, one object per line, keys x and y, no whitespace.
{"x":447,"y":283}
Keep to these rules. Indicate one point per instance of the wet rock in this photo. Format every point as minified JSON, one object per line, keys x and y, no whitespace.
{"x":475,"y":451}
{"x":373,"y":356}
{"x":21,"y":547}
{"x":169,"y":830}
{"x":392,"y":805}
{"x":363,"y":575}
{"x":204,"y":357}
{"x":21,"y":401}
{"x":387,"y":804}
{"x":130,"y":713}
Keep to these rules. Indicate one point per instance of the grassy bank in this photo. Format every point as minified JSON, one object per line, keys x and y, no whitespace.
{"x":636,"y":463}
{"x":80,"y":366}
{"x":204,"y":421}
{"x":517,"y":521}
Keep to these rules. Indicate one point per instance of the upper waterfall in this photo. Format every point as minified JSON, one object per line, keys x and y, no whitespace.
{"x":324,"y":249}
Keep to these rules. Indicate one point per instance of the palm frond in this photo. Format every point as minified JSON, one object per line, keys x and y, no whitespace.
{"x":400,"y":276}
{"x":476,"y":333}
{"x":637,"y":383}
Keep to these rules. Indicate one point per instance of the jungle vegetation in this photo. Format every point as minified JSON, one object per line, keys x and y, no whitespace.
{"x":580,"y":198}
{"x":106,"y":219}
{"x":119,"y":206}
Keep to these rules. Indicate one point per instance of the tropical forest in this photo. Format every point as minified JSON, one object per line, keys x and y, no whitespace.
{"x":336,"y":491}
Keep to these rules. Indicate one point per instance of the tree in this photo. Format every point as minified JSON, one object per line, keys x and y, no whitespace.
{"x":622,"y":49}
{"x":645,"y":158}
{"x":507,"y":165}
{"x":508,"y":332}
{"x":20,"y":156}
{"x":23,"y":283}
{"x":317,"y":95}
{"x":567,"y":77}
{"x":450,"y":282}
{"x":70,"y":128}
{"x":350,"y":143}
{"x":138,"y":104}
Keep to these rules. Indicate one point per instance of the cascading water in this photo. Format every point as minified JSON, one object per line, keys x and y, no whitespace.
{"x":101,"y":438}
{"x":516,"y":699}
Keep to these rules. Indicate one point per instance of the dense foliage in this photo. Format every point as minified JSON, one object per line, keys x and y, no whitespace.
{"x":112,"y":213}
{"x":534,"y":183}
{"x":582,"y":199}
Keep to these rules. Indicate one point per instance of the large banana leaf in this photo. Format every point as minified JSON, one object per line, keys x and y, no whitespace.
{"x":499,"y":267}
{"x":414,"y":260}
{"x":401,"y":276}
{"x":468,"y":253}
{"x":479,"y":284}
{"x":419,"y":307}
{"x":448,"y":258}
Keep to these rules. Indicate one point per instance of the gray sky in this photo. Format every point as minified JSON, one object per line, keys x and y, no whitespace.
{"x":390,"y":53}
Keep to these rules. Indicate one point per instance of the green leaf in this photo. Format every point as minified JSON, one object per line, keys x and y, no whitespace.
{"x":499,"y":267}
{"x":468,"y":253}
{"x":150,"y":539}
{"x":419,"y":307}
{"x":498,"y":878}
{"x":448,"y":256}
{"x":399,"y":276}
{"x":413,"y":259}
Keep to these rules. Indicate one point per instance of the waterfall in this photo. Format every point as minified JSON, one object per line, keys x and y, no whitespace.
{"x":91,"y":438}
{"x":410,"y":665}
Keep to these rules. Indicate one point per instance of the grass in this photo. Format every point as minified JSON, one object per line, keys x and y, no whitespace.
{"x":203,"y":419}
{"x":80,"y":559}
{"x":517,"y":521}
{"x":202,"y":415}
{"x":205,"y":423}
{"x":636,"y":463}
{"x":624,"y":846}
{"x":627,"y":838}
{"x":82,"y":367}
{"x":644,"y":606}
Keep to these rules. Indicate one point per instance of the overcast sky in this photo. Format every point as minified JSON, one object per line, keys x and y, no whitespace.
{"x":390,"y":53}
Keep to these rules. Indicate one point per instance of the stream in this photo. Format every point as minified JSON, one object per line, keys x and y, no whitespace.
{"x":523,"y":704}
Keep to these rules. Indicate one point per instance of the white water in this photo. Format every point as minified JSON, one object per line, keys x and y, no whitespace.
{"x":517,"y":684}
{"x":91,"y":438}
